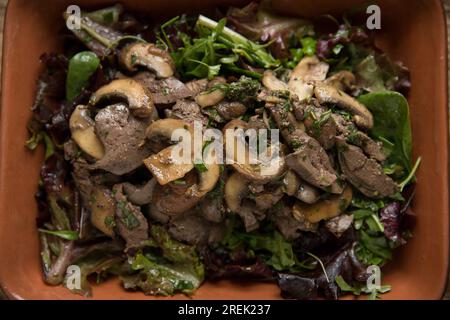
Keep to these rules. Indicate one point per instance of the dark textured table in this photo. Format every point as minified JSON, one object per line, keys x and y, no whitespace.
{"x":447,"y":9}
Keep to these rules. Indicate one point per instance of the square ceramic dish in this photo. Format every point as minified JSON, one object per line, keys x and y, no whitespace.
{"x":413,"y":31}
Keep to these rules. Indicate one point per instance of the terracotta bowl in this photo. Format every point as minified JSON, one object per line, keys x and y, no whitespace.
{"x":413,"y":31}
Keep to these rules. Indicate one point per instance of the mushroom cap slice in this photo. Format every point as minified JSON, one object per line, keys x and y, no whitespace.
{"x":325,"y":209}
{"x":291,"y":183}
{"x":83,"y":133}
{"x":308,"y":70}
{"x":296,"y":187}
{"x":139,"y":99}
{"x":208,"y":179}
{"x":210,"y":98}
{"x":271,"y":82}
{"x":149,"y":56}
{"x":165,"y":127}
{"x":266,"y":171}
{"x":236,"y":188}
{"x":213,"y":95}
{"x":342,"y":80}
{"x":329,"y":94}
{"x":103,"y":207}
{"x":164,"y":169}
{"x":159,"y":133}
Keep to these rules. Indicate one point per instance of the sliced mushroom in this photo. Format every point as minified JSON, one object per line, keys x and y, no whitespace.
{"x":197,"y":86}
{"x":291,"y":182}
{"x":139,"y":99}
{"x":208,"y":179}
{"x":325,"y":209}
{"x":149,"y":56}
{"x":160,"y":132}
{"x":83,"y":133}
{"x":164,"y":168}
{"x":264,"y":170}
{"x":338,"y":225}
{"x":271,"y":82}
{"x":162,"y":165}
{"x":296,"y":187}
{"x":307,"y":193}
{"x":342,"y":80}
{"x":308,"y":70}
{"x":299,"y":215}
{"x":213,"y":95}
{"x":327,"y":94}
{"x":236,"y":188}
{"x":103,"y":208}
{"x":210,"y":98}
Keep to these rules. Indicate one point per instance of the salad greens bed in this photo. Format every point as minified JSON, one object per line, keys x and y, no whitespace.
{"x":238,"y":44}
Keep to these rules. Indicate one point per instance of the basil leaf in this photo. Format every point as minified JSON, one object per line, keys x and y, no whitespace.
{"x":81,"y":67}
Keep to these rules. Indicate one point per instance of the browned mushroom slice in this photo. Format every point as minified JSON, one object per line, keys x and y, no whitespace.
{"x":163,"y":165}
{"x":208,"y":178}
{"x":308,"y":70}
{"x":213,"y":95}
{"x":299,"y":215}
{"x":271,"y":82}
{"x":164,"y":168}
{"x":83,"y":133}
{"x":265,"y":169}
{"x":327,"y":94}
{"x":363,"y":173}
{"x":296,"y":187}
{"x":210,"y":98}
{"x":341,"y":80}
{"x":138,"y":98}
{"x":338,"y":225}
{"x":324,"y":209}
{"x":236,"y":189}
{"x":149,"y":56}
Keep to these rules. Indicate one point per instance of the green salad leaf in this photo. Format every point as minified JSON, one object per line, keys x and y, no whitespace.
{"x":269,"y":244}
{"x":358,"y":289}
{"x":171,"y":268}
{"x":81,"y":67}
{"x":392,"y":124}
{"x":215,"y":48}
{"x":107,"y":16}
{"x":64,"y":234}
